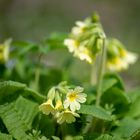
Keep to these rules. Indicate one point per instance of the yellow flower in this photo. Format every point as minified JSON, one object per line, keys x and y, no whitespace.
{"x":47,"y":107}
{"x":59,"y":105}
{"x":118,"y":58}
{"x":74,"y":98}
{"x":71,"y":44}
{"x":128,"y":57}
{"x":84,"y":54}
{"x":116,"y":64}
{"x":79,"y":28}
{"x":4,"y":51}
{"x":85,"y":40}
{"x":67,"y":116}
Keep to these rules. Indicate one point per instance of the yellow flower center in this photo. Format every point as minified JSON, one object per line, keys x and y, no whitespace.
{"x":72,"y":96}
{"x":123,"y":53}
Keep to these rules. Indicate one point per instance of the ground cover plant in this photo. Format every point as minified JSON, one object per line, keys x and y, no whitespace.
{"x":38,"y":101}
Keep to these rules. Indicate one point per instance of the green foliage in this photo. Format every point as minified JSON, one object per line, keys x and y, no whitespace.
{"x":127,"y":127}
{"x":5,"y":136}
{"x":18,"y":116}
{"x":10,"y":90}
{"x":108,"y":137}
{"x":29,"y":74}
{"x":97,"y":112}
{"x":135,"y":135}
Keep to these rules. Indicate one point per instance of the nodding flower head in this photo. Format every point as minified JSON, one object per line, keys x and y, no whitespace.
{"x":67,"y":116}
{"x":47,"y":107}
{"x":118,"y":58}
{"x":84,"y":39}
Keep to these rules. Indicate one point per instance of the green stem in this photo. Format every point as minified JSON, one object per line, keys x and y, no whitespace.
{"x":37,"y":73}
{"x":100,"y":74}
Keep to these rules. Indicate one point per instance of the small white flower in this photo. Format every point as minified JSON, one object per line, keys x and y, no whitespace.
{"x":71,"y":44}
{"x":79,"y":28}
{"x":47,"y":107}
{"x":74,"y":98}
{"x":121,"y":62}
{"x":84,"y":54}
{"x":67,"y":116}
{"x":130,"y":57}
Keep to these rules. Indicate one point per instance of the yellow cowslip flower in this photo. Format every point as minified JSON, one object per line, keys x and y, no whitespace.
{"x":67,"y":116}
{"x":84,"y":54}
{"x":4,"y":51}
{"x":79,"y":28}
{"x":118,"y":58}
{"x":47,"y":107}
{"x":128,"y":57}
{"x":116,"y":64}
{"x":72,"y":44}
{"x":86,"y":39}
{"x":59,"y":105}
{"x":74,"y":98}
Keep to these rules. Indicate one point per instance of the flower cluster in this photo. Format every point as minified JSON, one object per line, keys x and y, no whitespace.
{"x":4,"y":51}
{"x":86,"y":38}
{"x":63,"y":102}
{"x":118,"y":58}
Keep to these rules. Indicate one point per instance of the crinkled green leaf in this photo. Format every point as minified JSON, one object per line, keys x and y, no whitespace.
{"x":10,"y":90}
{"x":127,"y":127}
{"x":4,"y":136}
{"x":97,"y":112}
{"x":18,"y":117}
{"x":135,"y":135}
{"x":108,"y":137}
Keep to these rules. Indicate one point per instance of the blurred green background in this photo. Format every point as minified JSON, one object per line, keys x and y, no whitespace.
{"x":35,"y":19}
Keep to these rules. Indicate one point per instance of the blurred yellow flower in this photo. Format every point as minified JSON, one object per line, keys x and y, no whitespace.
{"x":118,"y":58}
{"x":72,"y":44}
{"x":67,"y":116}
{"x":79,"y":28}
{"x":86,"y":39}
{"x":59,"y":105}
{"x":47,"y":107}
{"x":74,"y":98}
{"x":4,"y":51}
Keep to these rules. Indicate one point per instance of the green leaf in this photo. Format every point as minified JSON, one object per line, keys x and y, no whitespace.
{"x":97,"y":112}
{"x":135,"y":135}
{"x":119,"y":84}
{"x":108,"y":83}
{"x":10,"y":90}
{"x":5,"y":136}
{"x":134,"y":110}
{"x":18,"y":117}
{"x":55,"y":41}
{"x":78,"y":138}
{"x":127,"y":127}
{"x":108,"y":137}
{"x":118,"y":98}
{"x":55,"y":138}
{"x":23,"y":47}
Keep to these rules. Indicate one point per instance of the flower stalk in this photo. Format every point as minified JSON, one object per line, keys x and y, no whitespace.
{"x":101,"y":73}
